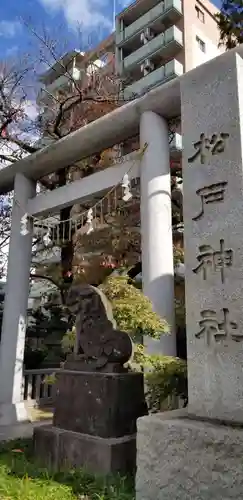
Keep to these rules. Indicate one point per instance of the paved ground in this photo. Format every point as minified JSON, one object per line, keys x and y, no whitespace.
{"x":7,"y":433}
{"x":37,"y":414}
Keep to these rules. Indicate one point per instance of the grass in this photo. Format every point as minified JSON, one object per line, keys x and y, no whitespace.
{"x":21,"y":478}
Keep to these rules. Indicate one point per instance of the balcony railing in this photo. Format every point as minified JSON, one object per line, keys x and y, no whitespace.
{"x":170,"y":70}
{"x":44,"y":95}
{"x":168,"y":9}
{"x":61,"y":82}
{"x":166,"y":45}
{"x":37,"y":390}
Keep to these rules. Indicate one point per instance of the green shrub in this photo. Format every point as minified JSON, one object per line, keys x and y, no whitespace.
{"x":165,"y":377}
{"x":132,"y":309}
{"x":33,"y":358}
{"x":68,"y":341}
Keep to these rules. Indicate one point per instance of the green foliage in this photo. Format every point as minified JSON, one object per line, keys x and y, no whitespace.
{"x":47,"y":320}
{"x":50,"y":379}
{"x":178,"y":255}
{"x":21,"y":477}
{"x":230,"y":23}
{"x":46,"y":325}
{"x":68,"y":341}
{"x":164,"y":377}
{"x":132,"y":309}
{"x":33,"y":358}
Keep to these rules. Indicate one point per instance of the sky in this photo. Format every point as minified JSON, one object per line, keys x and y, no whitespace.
{"x":80,"y":23}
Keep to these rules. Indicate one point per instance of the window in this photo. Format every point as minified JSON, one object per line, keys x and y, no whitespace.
{"x":200,"y":14}
{"x":201,"y":44}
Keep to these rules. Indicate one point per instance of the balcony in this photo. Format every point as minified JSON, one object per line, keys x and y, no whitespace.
{"x":165,"y":45}
{"x":62,"y":82}
{"x":170,"y":70}
{"x":168,"y":11}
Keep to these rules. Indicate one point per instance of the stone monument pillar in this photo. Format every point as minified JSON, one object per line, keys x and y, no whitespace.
{"x":198,"y":453}
{"x":98,"y":398}
{"x":12,"y":409}
{"x":156,"y":224}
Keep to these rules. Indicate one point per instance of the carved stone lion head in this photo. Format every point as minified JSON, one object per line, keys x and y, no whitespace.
{"x":85,"y":298}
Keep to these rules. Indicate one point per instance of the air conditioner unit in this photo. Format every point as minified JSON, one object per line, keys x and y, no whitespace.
{"x":149,"y":34}
{"x":146,"y":35}
{"x":147,"y":67}
{"x":143,"y":38}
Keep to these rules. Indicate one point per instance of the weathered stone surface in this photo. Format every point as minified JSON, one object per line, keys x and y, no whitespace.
{"x":77,"y":362}
{"x":58,"y":448}
{"x":99,"y":404}
{"x":183,"y":459}
{"x":97,"y":340}
{"x":94,"y":424}
{"x":212,"y":114}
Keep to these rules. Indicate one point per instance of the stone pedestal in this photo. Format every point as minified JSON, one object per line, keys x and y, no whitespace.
{"x":58,"y":449}
{"x":181,"y":458}
{"x":94,"y":424}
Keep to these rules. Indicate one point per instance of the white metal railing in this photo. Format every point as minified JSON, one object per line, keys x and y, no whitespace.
{"x":160,"y":11}
{"x":161,"y":75}
{"x":168,"y":43}
{"x":37,"y":389}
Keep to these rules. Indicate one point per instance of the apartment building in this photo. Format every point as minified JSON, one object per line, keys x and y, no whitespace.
{"x":60,"y":76}
{"x":157,"y":40}
{"x":75,"y":66}
{"x":154,"y":41}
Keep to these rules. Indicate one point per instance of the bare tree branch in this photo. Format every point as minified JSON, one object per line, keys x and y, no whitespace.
{"x":84,"y":100}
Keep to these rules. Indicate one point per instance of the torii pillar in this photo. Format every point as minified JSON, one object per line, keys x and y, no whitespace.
{"x":12,"y":408}
{"x":156,"y":224}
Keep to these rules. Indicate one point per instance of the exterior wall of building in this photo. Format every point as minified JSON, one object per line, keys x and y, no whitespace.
{"x":161,"y":49}
{"x":203,"y":48}
{"x":200,"y":38}
{"x":201,"y":35}
{"x":199,"y":30}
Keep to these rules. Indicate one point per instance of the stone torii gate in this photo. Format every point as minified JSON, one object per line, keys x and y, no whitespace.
{"x":148,"y":116}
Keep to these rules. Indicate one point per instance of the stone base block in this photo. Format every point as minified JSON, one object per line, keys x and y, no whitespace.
{"x":182,"y":458}
{"x":13,"y":413}
{"x":99,"y":404}
{"x":60,"y":449}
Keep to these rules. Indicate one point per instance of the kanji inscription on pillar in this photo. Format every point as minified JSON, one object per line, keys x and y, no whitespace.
{"x":212,"y":159}
{"x":214,"y":193}
{"x":212,"y":261}
{"x":207,"y":147}
{"x":215,"y":330}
